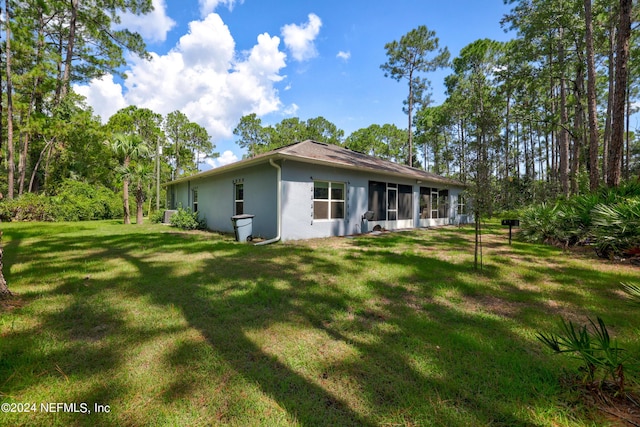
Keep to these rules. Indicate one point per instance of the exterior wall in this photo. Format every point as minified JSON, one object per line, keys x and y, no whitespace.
{"x":216,"y":198}
{"x":297,"y":202}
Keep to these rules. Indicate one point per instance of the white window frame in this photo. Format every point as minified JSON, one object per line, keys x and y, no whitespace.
{"x":462,"y":206}
{"x":329,"y":200}
{"x":236,"y":200}
{"x":194,"y":200}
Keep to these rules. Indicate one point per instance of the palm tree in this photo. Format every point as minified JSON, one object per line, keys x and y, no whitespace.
{"x":127,"y":147}
{"x":141,"y":174}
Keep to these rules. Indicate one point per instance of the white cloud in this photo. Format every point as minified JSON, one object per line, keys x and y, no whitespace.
{"x":208,"y":6}
{"x":291,"y":110}
{"x":225,"y":158}
{"x":299,"y":39}
{"x":104,"y":95}
{"x":153,"y":26}
{"x":344,"y":55}
{"x":203,"y":76}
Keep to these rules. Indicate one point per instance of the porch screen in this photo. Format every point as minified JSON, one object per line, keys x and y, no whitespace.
{"x":405,"y":202}
{"x":378,"y":200}
{"x":425,"y":202}
{"x":443,"y":204}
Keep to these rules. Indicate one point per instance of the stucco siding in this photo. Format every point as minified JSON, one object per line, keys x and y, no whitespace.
{"x":216,"y":198}
{"x":297,"y":210}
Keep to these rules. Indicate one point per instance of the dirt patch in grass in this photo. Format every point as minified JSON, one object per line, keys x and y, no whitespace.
{"x":11,"y":303}
{"x":618,"y":408}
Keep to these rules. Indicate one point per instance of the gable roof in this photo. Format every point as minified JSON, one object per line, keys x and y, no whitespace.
{"x":331,"y":155}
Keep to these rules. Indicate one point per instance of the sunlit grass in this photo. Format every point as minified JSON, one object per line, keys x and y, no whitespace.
{"x":173,"y":328}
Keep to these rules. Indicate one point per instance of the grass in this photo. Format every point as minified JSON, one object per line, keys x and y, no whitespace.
{"x":192,"y":328}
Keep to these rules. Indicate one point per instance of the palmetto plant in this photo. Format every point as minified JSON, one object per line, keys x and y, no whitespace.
{"x":617,"y":227}
{"x":609,"y":218}
{"x":593,"y":346}
{"x":632,"y":290}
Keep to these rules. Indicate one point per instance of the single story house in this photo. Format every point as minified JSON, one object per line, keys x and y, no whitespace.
{"x":311,"y":189}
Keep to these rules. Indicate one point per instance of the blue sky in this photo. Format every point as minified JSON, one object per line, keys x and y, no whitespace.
{"x":216,"y":60}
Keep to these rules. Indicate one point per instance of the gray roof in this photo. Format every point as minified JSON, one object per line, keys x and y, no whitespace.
{"x":332,"y":155}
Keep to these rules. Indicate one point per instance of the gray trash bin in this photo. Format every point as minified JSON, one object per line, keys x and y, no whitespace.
{"x":243,"y":227}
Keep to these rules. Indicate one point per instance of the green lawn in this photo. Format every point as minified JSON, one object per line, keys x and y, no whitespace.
{"x":192,"y":328}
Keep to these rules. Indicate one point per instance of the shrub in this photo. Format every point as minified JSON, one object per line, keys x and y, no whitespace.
{"x":28,"y":207}
{"x":156,"y":217}
{"x":593,"y":346}
{"x":187,"y":220}
{"x":79,"y":201}
{"x":74,"y":201}
{"x":538,"y":224}
{"x":617,"y":227}
{"x":609,"y":218}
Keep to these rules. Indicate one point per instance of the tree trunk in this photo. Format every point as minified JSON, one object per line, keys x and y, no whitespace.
{"x":610,"y":101}
{"x":139,"y":204}
{"x":47,"y":146}
{"x":622,"y":72}
{"x":627,"y":134}
{"x":563,"y":140}
{"x":594,"y":176}
{"x":10,"y":147}
{"x":66,"y":77}
{"x":22,"y":162}
{"x":125,"y":195}
{"x":4,"y":289}
{"x":578,"y":121}
{"x":409,"y":112}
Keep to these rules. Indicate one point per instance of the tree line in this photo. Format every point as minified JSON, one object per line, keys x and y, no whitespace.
{"x":50,"y":135}
{"x":544,"y":114}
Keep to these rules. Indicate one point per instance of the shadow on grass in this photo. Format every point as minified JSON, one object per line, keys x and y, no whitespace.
{"x":411,"y":359}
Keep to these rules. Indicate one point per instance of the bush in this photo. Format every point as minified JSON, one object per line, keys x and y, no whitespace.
{"x":187,"y":220}
{"x":156,"y":217}
{"x":538,"y":223}
{"x":28,"y":207}
{"x":74,"y":201}
{"x":610,"y":219}
{"x":593,"y":346}
{"x":617,"y":227}
{"x":79,"y":201}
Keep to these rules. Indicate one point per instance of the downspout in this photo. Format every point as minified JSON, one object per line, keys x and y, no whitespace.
{"x":278,"y":203}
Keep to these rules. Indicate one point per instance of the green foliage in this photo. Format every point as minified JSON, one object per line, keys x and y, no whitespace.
{"x":632,"y":290}
{"x":79,"y":201}
{"x":258,"y":139}
{"x":75,"y":201}
{"x":617,"y":227}
{"x":28,"y":207}
{"x":610,"y":219}
{"x":156,"y":217}
{"x":594,"y":347}
{"x":537,"y":223}
{"x":187,"y":220}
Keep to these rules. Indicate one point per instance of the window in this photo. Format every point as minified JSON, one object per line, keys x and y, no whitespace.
{"x":462,"y":209}
{"x":328,"y":200}
{"x":195,"y":201}
{"x":239,"y":198}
